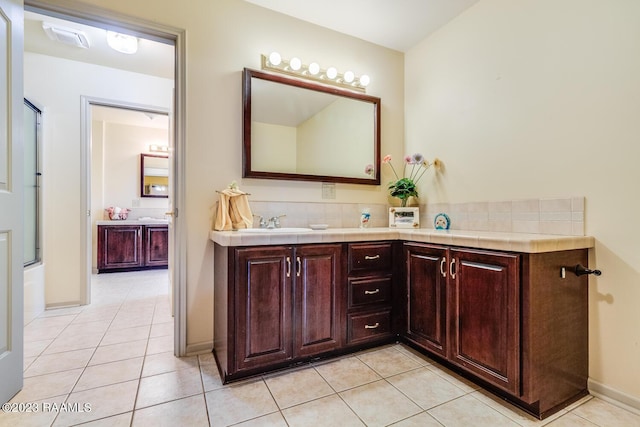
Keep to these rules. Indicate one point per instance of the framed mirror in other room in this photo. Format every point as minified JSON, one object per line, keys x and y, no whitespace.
{"x":154,"y":175}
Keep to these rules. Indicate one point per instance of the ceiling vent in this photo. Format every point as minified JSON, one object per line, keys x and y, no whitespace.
{"x":66,"y":35}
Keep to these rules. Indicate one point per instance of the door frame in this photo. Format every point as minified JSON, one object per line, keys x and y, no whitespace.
{"x":91,"y":15}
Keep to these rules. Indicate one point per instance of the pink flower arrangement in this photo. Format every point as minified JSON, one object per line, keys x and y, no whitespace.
{"x":405,"y":187}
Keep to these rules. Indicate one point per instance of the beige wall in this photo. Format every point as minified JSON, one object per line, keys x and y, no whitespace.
{"x":540,"y":98}
{"x":223,"y":36}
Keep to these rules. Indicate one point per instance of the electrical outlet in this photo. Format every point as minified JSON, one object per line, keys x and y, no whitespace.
{"x":328,"y":191}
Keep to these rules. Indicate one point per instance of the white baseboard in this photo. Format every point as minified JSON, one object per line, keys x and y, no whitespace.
{"x":199,"y":348}
{"x":613,"y":396}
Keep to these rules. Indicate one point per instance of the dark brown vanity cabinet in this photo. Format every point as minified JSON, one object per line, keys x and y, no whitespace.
{"x":276,"y":304}
{"x":370,"y":292}
{"x":132,"y":247}
{"x":426,"y":303}
{"x":511,"y":320}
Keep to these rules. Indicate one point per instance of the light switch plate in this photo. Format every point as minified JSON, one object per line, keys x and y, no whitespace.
{"x":328,"y":190}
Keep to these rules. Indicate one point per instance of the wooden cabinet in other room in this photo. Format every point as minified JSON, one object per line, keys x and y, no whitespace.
{"x":132,"y":247}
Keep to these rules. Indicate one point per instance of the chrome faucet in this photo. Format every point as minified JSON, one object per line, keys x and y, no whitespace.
{"x":273,"y":222}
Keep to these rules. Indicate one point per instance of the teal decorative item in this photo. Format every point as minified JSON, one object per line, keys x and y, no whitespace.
{"x":442,"y":221}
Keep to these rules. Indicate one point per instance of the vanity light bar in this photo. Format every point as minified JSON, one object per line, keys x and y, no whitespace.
{"x":295,"y":67}
{"x":158,"y":148}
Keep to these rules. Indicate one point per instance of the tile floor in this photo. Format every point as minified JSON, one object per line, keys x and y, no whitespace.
{"x":116,"y":355}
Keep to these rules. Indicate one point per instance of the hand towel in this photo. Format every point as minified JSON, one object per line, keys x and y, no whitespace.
{"x":233,"y":211}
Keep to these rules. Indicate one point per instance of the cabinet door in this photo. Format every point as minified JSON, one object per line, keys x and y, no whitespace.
{"x":426,"y":281}
{"x":156,"y":245}
{"x":485,"y":316}
{"x":119,"y":246}
{"x":263,"y":306}
{"x":318,"y":299}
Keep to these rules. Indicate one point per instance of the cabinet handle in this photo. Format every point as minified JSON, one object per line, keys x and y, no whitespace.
{"x":452,"y":268}
{"x":372,"y":257}
{"x":372,"y":326}
{"x":298,"y":266}
{"x":371,"y":292}
{"x":442,"y":267}
{"x":288,"y":267}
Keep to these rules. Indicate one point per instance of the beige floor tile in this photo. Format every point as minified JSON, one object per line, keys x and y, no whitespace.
{"x":71,"y":343}
{"x":425,"y":387}
{"x":388,"y":361}
{"x":44,"y":386}
{"x":34,"y":418}
{"x":161,"y":329}
{"x":104,"y":401}
{"x":210,"y":376}
{"x":237,"y":403}
{"x":122,"y":420}
{"x":35,"y":348}
{"x":27,"y":362}
{"x":160,"y":344}
{"x":115,"y":352}
{"x":423,"y":419}
{"x":119,"y":336}
{"x":329,"y":411}
{"x":572,"y":420}
{"x":415,"y":355}
{"x":299,"y":386}
{"x":191,"y":411}
{"x":109,"y":373}
{"x":468,"y":411}
{"x":169,"y":386}
{"x":346,"y":373}
{"x":160,"y":363}
{"x":47,"y":364}
{"x":271,"y":420}
{"x":605,"y":414}
{"x":98,"y":327}
{"x":508,"y":410}
{"x":453,"y":378}
{"x":105,"y":314}
{"x":37,"y":333}
{"x":379,"y":403}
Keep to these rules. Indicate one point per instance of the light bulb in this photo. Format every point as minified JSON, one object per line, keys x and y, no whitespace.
{"x":348,"y":76}
{"x":314,"y":68}
{"x":275,"y":58}
{"x":332,"y":73}
{"x":295,"y":64}
{"x":364,"y":80}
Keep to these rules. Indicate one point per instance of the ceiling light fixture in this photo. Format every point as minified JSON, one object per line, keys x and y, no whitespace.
{"x":122,"y":43}
{"x":295,"y":67}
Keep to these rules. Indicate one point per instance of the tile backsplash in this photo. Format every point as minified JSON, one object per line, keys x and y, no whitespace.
{"x":563,"y":216}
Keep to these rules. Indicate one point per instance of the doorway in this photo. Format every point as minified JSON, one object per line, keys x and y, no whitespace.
{"x":149,"y":32}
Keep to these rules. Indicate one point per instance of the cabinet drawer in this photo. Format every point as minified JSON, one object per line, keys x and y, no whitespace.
{"x":369,"y":290}
{"x":364,"y":326}
{"x":370,"y":256}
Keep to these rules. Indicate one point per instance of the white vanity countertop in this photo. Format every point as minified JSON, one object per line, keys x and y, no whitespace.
{"x":516,"y":242}
{"x":133,"y":222}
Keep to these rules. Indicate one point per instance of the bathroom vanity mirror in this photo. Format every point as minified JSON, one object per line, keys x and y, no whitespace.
{"x":299,"y":130}
{"x":154,"y":175}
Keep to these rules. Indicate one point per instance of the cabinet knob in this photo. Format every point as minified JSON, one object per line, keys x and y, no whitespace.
{"x":452,"y":268}
{"x":288,"y":267}
{"x":372,"y":292}
{"x":369,"y":257}
{"x":377,"y":324}
{"x":298,"y":266}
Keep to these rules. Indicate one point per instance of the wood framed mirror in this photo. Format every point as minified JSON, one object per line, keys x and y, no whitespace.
{"x":295,"y":129}
{"x":154,"y":175}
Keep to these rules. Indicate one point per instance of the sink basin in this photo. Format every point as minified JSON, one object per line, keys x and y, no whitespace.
{"x":275,"y":230}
